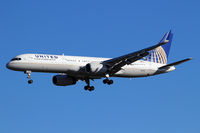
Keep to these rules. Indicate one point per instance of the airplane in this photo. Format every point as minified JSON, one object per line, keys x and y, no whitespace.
{"x":146,"y":62}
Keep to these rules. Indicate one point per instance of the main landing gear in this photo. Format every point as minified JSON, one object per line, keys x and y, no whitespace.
{"x":107,"y":81}
{"x":88,"y":87}
{"x":30,"y":81}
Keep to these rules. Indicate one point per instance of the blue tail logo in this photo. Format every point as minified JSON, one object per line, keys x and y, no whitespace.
{"x":160,"y":54}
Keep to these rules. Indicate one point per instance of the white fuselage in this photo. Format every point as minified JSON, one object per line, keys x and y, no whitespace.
{"x":75,"y":65}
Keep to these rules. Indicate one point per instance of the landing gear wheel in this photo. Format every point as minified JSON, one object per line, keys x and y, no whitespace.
{"x":105,"y":81}
{"x":110,"y":82}
{"x":91,"y":88}
{"x":86,"y":87}
{"x":30,"y":81}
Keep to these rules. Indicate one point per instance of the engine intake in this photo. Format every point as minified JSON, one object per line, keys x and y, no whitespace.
{"x":63,"y":80}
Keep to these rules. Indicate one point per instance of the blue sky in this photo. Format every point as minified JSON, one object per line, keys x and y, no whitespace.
{"x":164,"y":103}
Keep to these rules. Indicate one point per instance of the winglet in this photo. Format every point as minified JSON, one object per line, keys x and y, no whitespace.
{"x":165,"y":38}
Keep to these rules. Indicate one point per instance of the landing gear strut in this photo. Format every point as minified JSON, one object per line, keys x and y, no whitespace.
{"x":107,"y":81}
{"x":88,"y":87}
{"x":30,"y":81}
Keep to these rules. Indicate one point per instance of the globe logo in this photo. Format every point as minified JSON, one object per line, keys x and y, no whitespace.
{"x":157,"y":55}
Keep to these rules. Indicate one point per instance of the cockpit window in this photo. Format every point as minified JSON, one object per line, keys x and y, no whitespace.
{"x":15,"y":59}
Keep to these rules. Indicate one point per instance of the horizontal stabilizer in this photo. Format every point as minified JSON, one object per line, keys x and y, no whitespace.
{"x":175,"y":63}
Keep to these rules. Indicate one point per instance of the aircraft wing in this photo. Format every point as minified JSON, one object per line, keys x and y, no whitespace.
{"x":114,"y":65}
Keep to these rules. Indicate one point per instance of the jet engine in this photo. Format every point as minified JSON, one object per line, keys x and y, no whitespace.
{"x":95,"y":68}
{"x":63,"y":80}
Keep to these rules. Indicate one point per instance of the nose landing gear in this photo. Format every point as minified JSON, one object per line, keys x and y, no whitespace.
{"x":30,"y":81}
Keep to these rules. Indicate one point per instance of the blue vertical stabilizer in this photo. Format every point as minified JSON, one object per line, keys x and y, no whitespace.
{"x":167,"y":46}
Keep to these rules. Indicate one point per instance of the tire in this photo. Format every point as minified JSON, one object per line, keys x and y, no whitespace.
{"x":91,"y":88}
{"x":105,"y":81}
{"x":86,"y":87}
{"x":30,"y":81}
{"x":110,"y":82}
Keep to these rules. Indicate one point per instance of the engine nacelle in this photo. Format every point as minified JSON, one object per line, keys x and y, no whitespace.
{"x":95,"y":68}
{"x":63,"y":80}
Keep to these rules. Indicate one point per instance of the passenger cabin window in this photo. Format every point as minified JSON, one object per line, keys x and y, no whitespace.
{"x":15,"y":59}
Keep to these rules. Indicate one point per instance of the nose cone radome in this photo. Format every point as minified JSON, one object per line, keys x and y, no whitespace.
{"x":8,"y":65}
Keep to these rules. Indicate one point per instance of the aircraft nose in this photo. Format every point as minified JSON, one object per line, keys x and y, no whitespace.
{"x":8,"y":65}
